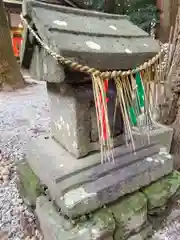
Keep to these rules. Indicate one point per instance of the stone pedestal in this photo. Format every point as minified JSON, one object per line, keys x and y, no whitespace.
{"x":84,"y":185}
{"x":91,"y":201}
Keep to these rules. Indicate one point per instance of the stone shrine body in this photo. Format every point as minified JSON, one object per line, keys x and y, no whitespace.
{"x":68,"y":161}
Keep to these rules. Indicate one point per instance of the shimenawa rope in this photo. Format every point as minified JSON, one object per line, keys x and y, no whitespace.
{"x":124,"y":92}
{"x":86,"y":69}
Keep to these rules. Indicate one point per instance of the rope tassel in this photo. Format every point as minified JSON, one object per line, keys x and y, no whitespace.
{"x":100,"y":88}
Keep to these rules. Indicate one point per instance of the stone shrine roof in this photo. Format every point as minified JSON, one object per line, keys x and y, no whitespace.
{"x":99,"y":40}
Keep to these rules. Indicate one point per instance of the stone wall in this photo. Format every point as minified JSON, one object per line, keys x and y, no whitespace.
{"x":130,"y":218}
{"x":133,"y":217}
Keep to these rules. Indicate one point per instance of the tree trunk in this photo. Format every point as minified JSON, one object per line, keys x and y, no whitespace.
{"x":109,"y":6}
{"x":171,"y":110}
{"x":10,"y":75}
{"x":175,"y":146}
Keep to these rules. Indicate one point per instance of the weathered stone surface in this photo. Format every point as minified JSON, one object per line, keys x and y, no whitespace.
{"x":36,"y":66}
{"x":29,"y":185}
{"x":70,"y":119}
{"x":55,"y":227}
{"x":80,"y":186}
{"x":52,"y":70}
{"x":161,"y":191}
{"x":94,"y":132}
{"x":96,"y":39}
{"x":160,"y":135}
{"x":130,"y":214}
{"x":73,"y":118}
{"x":110,"y":187}
{"x":143,"y":234}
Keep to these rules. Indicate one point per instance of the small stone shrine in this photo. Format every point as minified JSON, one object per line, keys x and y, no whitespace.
{"x":77,"y":196}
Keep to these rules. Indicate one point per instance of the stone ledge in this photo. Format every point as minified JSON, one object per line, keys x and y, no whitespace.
{"x":107,"y":189}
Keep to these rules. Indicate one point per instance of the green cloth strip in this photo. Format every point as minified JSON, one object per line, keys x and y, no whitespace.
{"x":139,"y":100}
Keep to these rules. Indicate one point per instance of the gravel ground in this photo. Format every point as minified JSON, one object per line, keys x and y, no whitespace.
{"x":171,"y":229}
{"x":25,"y":114}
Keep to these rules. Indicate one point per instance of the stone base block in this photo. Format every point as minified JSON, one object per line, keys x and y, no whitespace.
{"x":126,"y":219}
{"x":130,"y":214}
{"x":143,"y":234}
{"x":161,"y":191}
{"x":55,"y":227}
{"x":160,"y":135}
{"x":84,"y":185}
{"x":29,"y":185}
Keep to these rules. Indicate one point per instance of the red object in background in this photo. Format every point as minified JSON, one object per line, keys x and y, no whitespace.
{"x":16,"y":42}
{"x":103,"y":129}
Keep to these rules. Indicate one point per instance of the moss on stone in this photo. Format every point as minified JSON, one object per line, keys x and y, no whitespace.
{"x":144,"y":233}
{"x":161,"y":191}
{"x":29,"y":185}
{"x":100,"y":225}
{"x":130,"y":214}
{"x":101,"y":221}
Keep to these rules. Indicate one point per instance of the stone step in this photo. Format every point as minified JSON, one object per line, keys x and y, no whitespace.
{"x":83,"y":185}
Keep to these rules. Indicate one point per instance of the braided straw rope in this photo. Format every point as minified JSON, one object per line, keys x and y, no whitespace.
{"x":86,"y":69}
